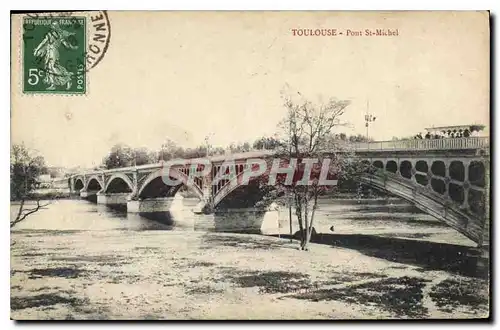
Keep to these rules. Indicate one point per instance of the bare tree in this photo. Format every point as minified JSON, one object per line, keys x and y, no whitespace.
{"x":308,"y":133}
{"x":23,"y":212}
{"x":24,"y":172}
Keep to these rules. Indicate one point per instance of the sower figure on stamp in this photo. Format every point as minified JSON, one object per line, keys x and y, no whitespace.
{"x":48,"y":51}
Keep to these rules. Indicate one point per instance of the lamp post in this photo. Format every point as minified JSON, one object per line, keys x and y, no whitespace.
{"x":368,"y":119}
{"x":207,"y":139}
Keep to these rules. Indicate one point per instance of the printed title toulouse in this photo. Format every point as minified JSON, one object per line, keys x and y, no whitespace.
{"x":255,"y":167}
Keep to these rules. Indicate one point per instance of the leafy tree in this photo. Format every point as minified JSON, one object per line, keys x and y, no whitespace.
{"x":120,"y":156}
{"x":395,"y":138}
{"x":198,"y":152}
{"x":217,"y":151}
{"x":170,"y":150}
{"x":25,"y":168}
{"x":142,"y":156}
{"x":268,"y":143}
{"x":245,"y":147}
{"x":241,"y":147}
{"x":359,"y":138}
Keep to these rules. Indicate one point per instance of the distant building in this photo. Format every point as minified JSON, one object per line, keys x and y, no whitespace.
{"x":56,"y":172}
{"x":44,"y":178}
{"x":44,"y":181}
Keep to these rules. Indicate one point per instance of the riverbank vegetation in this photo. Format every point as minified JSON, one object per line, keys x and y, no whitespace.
{"x":25,"y":168}
{"x":122,"y":155}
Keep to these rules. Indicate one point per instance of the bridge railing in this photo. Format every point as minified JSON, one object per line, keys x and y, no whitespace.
{"x":398,"y":145}
{"x":424,"y":144}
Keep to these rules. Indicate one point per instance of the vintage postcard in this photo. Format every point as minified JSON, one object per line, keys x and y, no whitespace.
{"x":250,"y":165}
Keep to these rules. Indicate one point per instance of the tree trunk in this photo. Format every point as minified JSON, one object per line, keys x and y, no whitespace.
{"x":290,"y":220}
{"x":315,"y":205}
{"x":20,"y":211}
{"x":306,"y":220}
{"x":298,"y":210}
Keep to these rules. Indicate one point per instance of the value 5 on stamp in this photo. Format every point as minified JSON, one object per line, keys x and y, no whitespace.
{"x":54,"y":55}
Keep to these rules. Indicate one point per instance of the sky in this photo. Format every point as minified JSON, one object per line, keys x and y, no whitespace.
{"x":185,"y":75}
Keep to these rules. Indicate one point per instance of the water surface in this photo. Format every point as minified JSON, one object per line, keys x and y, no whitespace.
{"x":383,"y":217}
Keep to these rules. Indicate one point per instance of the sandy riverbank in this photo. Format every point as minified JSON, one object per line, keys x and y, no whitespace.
{"x":193,"y":275}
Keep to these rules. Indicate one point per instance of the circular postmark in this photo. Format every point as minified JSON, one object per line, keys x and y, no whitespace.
{"x":59,"y":48}
{"x":98,"y":38}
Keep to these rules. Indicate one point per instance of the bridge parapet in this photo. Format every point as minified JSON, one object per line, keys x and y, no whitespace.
{"x":424,"y":144}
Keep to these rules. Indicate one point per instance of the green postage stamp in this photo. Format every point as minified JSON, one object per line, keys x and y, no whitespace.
{"x":54,"y":55}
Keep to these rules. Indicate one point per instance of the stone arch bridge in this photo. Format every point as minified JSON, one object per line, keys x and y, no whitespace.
{"x":446,"y":178}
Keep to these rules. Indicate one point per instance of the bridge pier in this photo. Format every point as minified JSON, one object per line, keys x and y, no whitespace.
{"x":150,"y":205}
{"x":166,"y":210}
{"x":483,"y":262}
{"x":480,"y":260}
{"x":89,"y":194}
{"x":246,"y":220}
{"x":75,"y":194}
{"x":203,"y":207}
{"x":119,"y":199}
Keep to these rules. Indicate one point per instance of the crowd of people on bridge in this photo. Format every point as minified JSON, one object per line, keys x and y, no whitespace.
{"x":444,"y":134}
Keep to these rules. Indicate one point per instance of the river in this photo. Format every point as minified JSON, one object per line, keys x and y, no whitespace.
{"x":380,"y":217}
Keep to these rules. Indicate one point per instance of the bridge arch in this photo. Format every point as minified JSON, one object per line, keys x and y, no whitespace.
{"x":253,"y":191}
{"x":154,"y":185}
{"x":79,"y":185}
{"x":119,"y":183}
{"x":456,"y":178}
{"x":94,"y":183}
{"x":440,"y":206}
